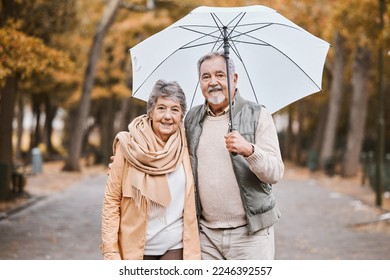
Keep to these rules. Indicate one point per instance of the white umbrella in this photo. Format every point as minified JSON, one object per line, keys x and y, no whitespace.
{"x":277,"y":61}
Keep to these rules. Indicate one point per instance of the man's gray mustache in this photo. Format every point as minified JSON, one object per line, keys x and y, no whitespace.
{"x":214,"y":89}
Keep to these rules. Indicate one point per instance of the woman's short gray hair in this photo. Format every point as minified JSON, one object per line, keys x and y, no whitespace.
{"x":171,"y":90}
{"x":213,"y":54}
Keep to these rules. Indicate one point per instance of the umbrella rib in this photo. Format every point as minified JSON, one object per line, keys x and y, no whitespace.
{"x":198,"y":45}
{"x":231,"y":38}
{"x":285,"y":55}
{"x":210,"y":34}
{"x":235,"y":50}
{"x":215,"y":38}
{"x":265,"y":25}
{"x":215,"y":18}
{"x":233,"y":46}
{"x":250,"y":81}
{"x":230,"y":42}
{"x":186,"y":46}
{"x":155,"y":69}
{"x":264,"y":43}
{"x":232,"y":29}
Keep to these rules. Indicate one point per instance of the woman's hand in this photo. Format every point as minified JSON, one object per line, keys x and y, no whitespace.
{"x":110,"y":164}
{"x":112,"y":256}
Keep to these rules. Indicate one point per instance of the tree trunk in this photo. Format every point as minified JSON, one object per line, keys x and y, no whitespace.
{"x":50,"y":112}
{"x":288,"y":142}
{"x":7,"y":10}
{"x":7,"y":105}
{"x":78,"y":128}
{"x":299,"y":135}
{"x":35,"y":133}
{"x":107,"y":129}
{"x":19,"y":134}
{"x":357,"y":117}
{"x":335,"y":96}
{"x":313,"y":153}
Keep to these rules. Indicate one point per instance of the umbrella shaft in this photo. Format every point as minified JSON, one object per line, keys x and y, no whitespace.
{"x":227,"y":52}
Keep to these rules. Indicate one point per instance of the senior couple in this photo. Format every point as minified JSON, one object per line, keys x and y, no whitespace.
{"x":194,"y":191}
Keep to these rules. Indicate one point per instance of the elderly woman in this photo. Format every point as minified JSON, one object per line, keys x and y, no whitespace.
{"x":149,"y":206}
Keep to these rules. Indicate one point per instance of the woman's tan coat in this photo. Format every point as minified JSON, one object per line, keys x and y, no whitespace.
{"x":124,"y":224}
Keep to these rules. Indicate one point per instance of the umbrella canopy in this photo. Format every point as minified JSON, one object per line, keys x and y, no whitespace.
{"x":277,"y":61}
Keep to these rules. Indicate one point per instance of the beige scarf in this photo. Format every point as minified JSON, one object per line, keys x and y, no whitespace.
{"x":150,"y":160}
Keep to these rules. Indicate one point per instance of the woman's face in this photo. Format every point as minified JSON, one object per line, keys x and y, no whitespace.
{"x":166,"y":117}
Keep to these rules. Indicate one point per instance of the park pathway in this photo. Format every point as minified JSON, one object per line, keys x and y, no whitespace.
{"x":316,"y":223}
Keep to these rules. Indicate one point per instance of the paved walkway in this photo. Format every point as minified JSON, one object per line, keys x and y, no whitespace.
{"x":320,"y":224}
{"x":62,"y":226}
{"x":316,"y":224}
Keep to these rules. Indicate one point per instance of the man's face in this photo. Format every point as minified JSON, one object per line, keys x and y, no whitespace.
{"x":213,"y":83}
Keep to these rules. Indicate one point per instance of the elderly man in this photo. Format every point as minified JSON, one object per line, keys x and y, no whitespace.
{"x":234,"y":170}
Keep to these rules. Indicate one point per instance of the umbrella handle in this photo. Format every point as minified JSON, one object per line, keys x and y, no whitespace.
{"x":231,"y":130}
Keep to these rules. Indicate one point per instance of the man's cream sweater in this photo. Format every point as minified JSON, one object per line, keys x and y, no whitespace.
{"x":218,"y":189}
{"x":220,"y":195}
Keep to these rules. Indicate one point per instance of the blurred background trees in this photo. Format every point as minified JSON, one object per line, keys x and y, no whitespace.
{"x":65,"y":81}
